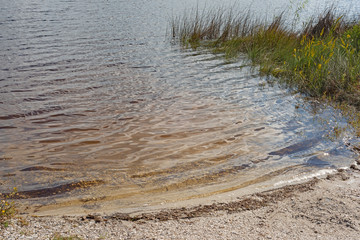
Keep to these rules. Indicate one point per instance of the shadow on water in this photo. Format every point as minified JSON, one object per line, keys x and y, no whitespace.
{"x":297,"y":147}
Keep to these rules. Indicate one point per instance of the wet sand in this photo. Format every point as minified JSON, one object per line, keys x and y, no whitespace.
{"x":326,"y":208}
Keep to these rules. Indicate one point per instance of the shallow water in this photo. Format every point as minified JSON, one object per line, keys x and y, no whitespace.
{"x":97,"y":104}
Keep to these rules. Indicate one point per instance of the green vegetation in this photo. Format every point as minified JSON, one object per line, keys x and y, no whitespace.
{"x":321,"y":60}
{"x":7,"y":208}
{"x":57,"y":236}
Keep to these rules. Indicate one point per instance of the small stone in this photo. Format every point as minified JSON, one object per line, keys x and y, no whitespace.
{"x":355,"y":167}
{"x":98,"y":219}
{"x":90,"y":216}
{"x":344,"y":177}
{"x":330,"y":177}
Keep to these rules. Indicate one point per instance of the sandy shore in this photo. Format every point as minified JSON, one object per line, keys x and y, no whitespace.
{"x":327,"y":208}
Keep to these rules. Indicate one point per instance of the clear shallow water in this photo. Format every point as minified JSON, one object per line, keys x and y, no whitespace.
{"x":94,"y":91}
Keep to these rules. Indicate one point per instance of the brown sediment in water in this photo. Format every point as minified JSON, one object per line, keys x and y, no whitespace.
{"x":152,"y":162}
{"x":185,"y":166}
{"x":229,"y":189}
{"x":7,"y":127}
{"x":80,"y":129}
{"x":252,"y":202}
{"x":110,"y":203}
{"x":42,"y":168}
{"x":47,"y":192}
{"x":202,"y":162}
{"x":90,"y":142}
{"x":9,"y":175}
{"x":62,"y":164}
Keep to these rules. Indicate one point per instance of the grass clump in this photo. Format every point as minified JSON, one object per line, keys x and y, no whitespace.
{"x":58,"y":236}
{"x":7,"y":207}
{"x":322,"y":59}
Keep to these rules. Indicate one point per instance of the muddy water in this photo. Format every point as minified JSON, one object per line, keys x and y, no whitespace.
{"x":99,"y":110}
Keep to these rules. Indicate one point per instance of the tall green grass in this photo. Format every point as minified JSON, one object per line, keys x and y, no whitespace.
{"x":322,"y":59}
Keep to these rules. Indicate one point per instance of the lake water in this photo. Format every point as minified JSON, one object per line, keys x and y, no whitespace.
{"x":99,"y":110}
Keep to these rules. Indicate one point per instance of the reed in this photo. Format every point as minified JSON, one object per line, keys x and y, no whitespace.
{"x":321,"y":59}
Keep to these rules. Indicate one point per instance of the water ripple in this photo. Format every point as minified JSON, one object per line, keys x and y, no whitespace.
{"x":96,"y":88}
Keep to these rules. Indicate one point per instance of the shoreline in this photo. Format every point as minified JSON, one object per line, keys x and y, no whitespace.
{"x":319,"y":208}
{"x":105,"y":206}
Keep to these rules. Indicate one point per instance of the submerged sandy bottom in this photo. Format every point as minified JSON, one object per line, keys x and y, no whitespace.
{"x":326,"y":208}
{"x":150,"y":201}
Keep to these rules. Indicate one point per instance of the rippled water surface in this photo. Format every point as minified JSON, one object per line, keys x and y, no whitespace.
{"x":97,"y":104}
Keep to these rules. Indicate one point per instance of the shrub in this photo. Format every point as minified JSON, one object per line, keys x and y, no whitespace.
{"x":7,"y":207}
